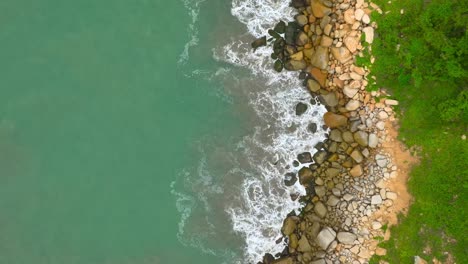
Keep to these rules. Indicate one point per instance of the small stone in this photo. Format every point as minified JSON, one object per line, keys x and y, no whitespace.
{"x":357,"y":156}
{"x":376,"y":199}
{"x":349,"y":91}
{"x":369,"y":34}
{"x":358,"y":14}
{"x":362,"y":138}
{"x":381,"y":160}
{"x":376,"y":225}
{"x":320,"y":209}
{"x":351,"y":43}
{"x":303,"y":245}
{"x":333,"y":200}
{"x":326,"y":41}
{"x":348,"y":197}
{"x":342,"y":54}
{"x":313,"y":85}
{"x":380,"y":251}
{"x":302,"y":20}
{"x":349,"y":16}
{"x":329,"y":99}
{"x":356,"y":171}
{"x":365,"y":19}
{"x":391,"y":102}
{"x":382,"y":115}
{"x":391,"y":195}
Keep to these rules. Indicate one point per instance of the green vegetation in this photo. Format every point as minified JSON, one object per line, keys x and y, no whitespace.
{"x":421,"y":57}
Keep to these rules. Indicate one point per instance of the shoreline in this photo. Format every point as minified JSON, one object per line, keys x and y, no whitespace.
{"x":356,"y":184}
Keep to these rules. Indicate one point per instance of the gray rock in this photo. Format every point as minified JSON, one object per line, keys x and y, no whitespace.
{"x":325,"y":237}
{"x":312,"y":127}
{"x":362,"y":138}
{"x":376,"y":199}
{"x":329,"y":99}
{"x":373,"y":140}
{"x":306,"y":175}
{"x":346,"y":238}
{"x":301,"y":108}
{"x":262,"y":41}
{"x":381,"y":160}
{"x":320,"y":209}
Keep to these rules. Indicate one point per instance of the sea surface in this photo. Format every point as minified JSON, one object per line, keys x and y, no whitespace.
{"x":145,"y":132}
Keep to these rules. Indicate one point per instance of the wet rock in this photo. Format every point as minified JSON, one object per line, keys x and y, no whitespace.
{"x":262,"y":41}
{"x":356,"y":171}
{"x":295,"y":65}
{"x":284,"y":260}
{"x":319,"y":75}
{"x":304,"y":157}
{"x":301,"y":108}
{"x":346,"y":238}
{"x":289,"y":225}
{"x":313,"y":85}
{"x":342,"y":54}
{"x":280,"y":27}
{"x":329,"y":99}
{"x":325,"y":237}
{"x":298,"y":3}
{"x":302,"y":39}
{"x":320,"y":156}
{"x":320,"y":209}
{"x":305,"y":175}
{"x":290,"y":179}
{"x":362,"y":138}
{"x":312,"y":127}
{"x":268,"y":258}
{"x":320,"y":58}
{"x":302,"y":20}
{"x":333,"y":120}
{"x":278,"y":66}
{"x":303,"y":245}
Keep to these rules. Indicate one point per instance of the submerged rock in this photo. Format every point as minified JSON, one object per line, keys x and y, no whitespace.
{"x":262,"y":41}
{"x":312,"y":127}
{"x":290,"y":179}
{"x":305,"y":157}
{"x":278,"y":66}
{"x":301,"y":108}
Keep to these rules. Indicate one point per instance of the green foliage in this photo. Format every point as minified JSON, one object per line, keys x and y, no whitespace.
{"x":421,"y":56}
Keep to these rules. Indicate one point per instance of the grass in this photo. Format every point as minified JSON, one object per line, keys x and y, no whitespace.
{"x":435,"y":226}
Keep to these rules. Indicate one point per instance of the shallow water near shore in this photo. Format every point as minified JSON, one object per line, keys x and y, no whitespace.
{"x":145,"y":132}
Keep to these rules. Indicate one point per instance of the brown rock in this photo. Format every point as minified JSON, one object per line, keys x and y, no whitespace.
{"x":356,"y":171}
{"x":319,"y":75}
{"x":305,"y":175}
{"x":297,"y":56}
{"x":326,"y":41}
{"x":313,"y":85}
{"x":349,"y":16}
{"x":351,"y":43}
{"x":318,"y":9}
{"x":284,"y":260}
{"x":333,"y":120}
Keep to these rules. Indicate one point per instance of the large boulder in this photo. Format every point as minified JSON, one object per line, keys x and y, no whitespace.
{"x":320,"y":156}
{"x":304,"y":245}
{"x":320,"y":209}
{"x":262,"y":41}
{"x":333,"y":120}
{"x":318,"y":9}
{"x":329,"y":99}
{"x":325,"y":237}
{"x":304,"y":157}
{"x":313,"y":85}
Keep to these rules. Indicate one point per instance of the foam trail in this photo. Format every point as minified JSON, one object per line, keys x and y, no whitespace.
{"x":194,"y":9}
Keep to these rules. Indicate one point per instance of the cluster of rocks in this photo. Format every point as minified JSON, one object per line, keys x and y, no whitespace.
{"x":346,"y":177}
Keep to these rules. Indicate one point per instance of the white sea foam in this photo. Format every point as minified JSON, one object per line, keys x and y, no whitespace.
{"x":194,"y":10}
{"x":260,"y":160}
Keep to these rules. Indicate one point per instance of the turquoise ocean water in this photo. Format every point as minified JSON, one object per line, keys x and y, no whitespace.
{"x":99,"y":112}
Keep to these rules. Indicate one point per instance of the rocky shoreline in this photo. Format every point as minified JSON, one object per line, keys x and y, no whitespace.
{"x":356,"y":180}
